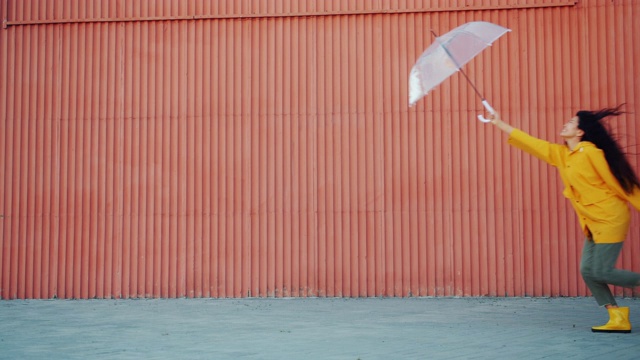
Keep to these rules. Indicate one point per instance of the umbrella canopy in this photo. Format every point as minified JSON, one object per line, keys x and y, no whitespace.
{"x":448,"y":54}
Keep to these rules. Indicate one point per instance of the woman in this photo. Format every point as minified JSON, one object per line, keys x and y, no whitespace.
{"x":599,"y":182}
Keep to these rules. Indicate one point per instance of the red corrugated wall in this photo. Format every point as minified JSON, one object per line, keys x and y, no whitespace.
{"x":265,"y":148}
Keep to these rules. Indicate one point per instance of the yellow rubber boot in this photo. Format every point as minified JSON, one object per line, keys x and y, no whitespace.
{"x":618,"y":321}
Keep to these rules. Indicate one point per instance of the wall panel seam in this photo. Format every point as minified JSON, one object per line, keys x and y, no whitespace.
{"x":558,"y":3}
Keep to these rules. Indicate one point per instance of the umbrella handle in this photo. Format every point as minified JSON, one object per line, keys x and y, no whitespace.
{"x":489,"y":108}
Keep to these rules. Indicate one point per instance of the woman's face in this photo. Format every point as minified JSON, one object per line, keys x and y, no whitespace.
{"x":570,"y":129}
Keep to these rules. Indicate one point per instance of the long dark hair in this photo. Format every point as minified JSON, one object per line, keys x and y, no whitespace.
{"x":598,"y":133}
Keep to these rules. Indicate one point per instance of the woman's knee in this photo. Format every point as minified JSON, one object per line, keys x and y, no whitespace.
{"x":601,"y":275}
{"x":586,"y":272}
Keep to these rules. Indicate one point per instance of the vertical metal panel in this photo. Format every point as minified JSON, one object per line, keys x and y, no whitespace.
{"x":243,"y":148}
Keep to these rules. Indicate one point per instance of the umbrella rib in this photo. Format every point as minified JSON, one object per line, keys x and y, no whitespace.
{"x":457,"y":66}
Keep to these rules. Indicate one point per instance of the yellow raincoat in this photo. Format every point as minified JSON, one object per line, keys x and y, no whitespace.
{"x":596,"y":195}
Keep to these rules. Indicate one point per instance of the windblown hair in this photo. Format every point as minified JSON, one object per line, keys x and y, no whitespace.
{"x":598,"y":133}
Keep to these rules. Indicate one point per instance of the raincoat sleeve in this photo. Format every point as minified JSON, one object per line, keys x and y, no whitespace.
{"x":599,"y":162}
{"x":543,"y":150}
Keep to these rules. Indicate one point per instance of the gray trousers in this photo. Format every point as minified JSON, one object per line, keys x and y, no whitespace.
{"x":597,"y":269}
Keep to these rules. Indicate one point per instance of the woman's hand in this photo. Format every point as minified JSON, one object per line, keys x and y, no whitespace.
{"x":497,"y":121}
{"x":495,"y":117}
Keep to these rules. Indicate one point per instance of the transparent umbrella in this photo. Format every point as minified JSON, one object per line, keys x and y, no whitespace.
{"x":448,"y":54}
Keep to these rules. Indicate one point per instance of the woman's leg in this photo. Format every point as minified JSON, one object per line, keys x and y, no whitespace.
{"x":603,"y":264}
{"x":597,"y":268}
{"x":588,"y":264}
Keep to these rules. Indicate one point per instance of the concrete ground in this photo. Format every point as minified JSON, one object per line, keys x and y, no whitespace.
{"x":313,"y":328}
